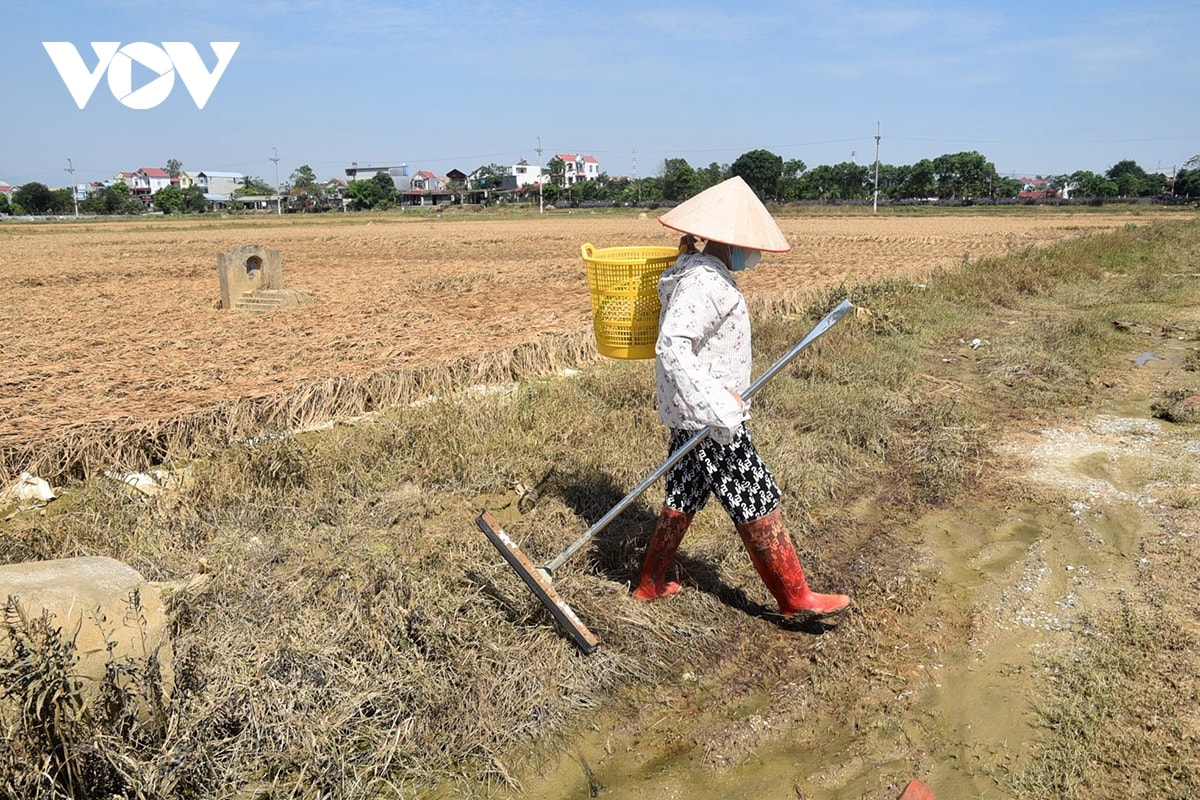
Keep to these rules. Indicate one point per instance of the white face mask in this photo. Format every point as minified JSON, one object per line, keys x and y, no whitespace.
{"x":741,"y":258}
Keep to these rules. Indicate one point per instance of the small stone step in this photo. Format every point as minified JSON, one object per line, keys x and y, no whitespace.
{"x":257,"y":301}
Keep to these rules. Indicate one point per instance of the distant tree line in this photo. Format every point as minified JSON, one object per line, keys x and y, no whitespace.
{"x":967,"y":177}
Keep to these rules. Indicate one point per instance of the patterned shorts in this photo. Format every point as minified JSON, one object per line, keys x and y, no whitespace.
{"x":734,"y":472}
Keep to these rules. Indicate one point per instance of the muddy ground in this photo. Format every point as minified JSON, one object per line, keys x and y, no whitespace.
{"x":1081,"y":518}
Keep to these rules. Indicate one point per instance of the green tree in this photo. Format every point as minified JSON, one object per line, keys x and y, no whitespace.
{"x":679,"y":179}
{"x":851,"y":181}
{"x":174,"y":167}
{"x":304,"y":189}
{"x":789,"y":187}
{"x":95,"y":203}
{"x":1159,"y":183}
{"x":1131,"y":179}
{"x":623,"y":190}
{"x":761,"y":170}
{"x":367,"y":194}
{"x":387,"y":189}
{"x":193,"y":200}
{"x":917,"y":181}
{"x":303,"y":178}
{"x":129,"y":205}
{"x":34,"y":198}
{"x":890,"y":179}
{"x":814,"y":183}
{"x":1090,"y":185}
{"x":844,"y":181}
{"x":113,"y":199}
{"x":964,"y":175}
{"x":711,"y":175}
{"x":254,"y":186}
{"x":169,"y":200}
{"x":64,"y":201}
{"x":1187,"y":182}
{"x":491,"y":177}
{"x":558,"y":171}
{"x":1011,"y":187}
{"x":651,"y":190}
{"x":590,"y":190}
{"x":4,"y":206}
{"x":553,"y":193}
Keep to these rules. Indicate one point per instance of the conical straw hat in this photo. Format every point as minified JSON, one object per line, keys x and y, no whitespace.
{"x":729,"y":212}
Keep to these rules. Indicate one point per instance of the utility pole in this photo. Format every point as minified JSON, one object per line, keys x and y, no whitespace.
{"x":875,"y":203}
{"x":541,"y":178}
{"x":635,"y":177}
{"x":278,"y":199}
{"x":74,"y":192}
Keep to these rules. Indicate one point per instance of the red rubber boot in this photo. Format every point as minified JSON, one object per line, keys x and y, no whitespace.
{"x":774,"y":556}
{"x":668,"y":533}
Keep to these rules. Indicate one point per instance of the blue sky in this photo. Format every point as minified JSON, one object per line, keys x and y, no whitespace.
{"x":1041,"y":87}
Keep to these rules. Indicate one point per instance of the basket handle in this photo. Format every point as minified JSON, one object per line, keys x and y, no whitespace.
{"x":588,"y":250}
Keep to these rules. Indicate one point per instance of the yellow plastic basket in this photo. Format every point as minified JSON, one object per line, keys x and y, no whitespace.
{"x":624,"y":286}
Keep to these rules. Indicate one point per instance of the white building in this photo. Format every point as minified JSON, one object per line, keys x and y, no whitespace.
{"x":148,"y":180}
{"x":219,"y":186}
{"x":524,"y":174}
{"x":144,"y":182}
{"x":426,"y":181}
{"x":578,"y":168}
{"x":399,"y":174}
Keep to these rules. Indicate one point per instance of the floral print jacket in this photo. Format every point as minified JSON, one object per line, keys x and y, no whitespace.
{"x":703,"y":349}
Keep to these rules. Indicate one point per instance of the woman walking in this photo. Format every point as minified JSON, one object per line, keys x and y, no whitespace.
{"x":702,"y":365}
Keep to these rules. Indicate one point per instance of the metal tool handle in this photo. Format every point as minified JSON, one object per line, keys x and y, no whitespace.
{"x":828,"y":322}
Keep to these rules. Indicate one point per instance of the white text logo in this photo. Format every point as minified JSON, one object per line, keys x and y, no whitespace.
{"x":118,"y":61}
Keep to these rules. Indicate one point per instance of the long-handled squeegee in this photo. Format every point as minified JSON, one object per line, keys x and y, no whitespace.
{"x":539,"y":579}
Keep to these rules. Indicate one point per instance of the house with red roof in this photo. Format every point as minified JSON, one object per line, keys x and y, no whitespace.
{"x":426,"y":188}
{"x":426,"y":181}
{"x":144,"y":182}
{"x":6,"y":190}
{"x":154,"y":178}
{"x":578,"y":168}
{"x":1037,"y":189}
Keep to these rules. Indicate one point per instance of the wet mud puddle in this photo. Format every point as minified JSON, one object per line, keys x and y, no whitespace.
{"x":1010,"y":584}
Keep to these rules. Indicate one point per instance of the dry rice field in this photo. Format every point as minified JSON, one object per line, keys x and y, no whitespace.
{"x":115,"y":348}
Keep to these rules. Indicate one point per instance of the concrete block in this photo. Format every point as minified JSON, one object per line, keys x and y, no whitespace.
{"x":95,"y":594}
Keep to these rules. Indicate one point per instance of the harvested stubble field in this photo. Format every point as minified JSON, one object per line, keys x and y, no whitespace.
{"x":116,"y":351}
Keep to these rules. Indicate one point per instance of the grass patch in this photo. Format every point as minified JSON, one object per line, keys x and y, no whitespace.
{"x":1113,"y":728}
